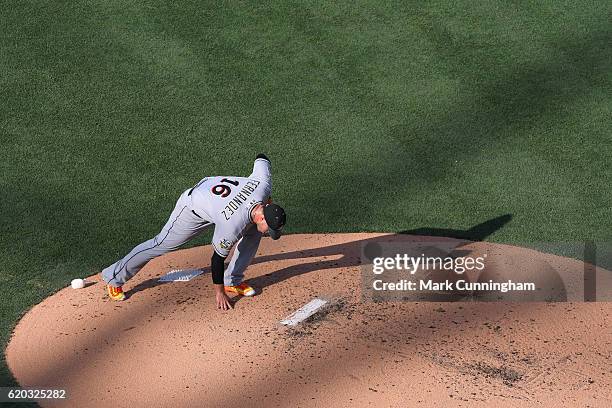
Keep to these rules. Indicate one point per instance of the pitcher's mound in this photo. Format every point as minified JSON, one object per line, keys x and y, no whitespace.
{"x":168,"y":345}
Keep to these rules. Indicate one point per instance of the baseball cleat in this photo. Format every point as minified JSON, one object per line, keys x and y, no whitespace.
{"x":242,"y":289}
{"x":115,"y":293}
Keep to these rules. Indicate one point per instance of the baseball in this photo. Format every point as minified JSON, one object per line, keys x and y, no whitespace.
{"x":77,"y":283}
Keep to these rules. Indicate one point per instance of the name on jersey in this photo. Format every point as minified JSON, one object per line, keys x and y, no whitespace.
{"x":232,"y":207}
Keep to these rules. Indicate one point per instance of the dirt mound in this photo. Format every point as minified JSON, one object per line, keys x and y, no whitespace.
{"x":169,"y":346}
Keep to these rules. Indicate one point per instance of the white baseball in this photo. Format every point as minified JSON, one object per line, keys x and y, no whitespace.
{"x":77,"y":283}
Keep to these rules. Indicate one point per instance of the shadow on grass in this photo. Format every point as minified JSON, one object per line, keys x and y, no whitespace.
{"x":477,"y":233}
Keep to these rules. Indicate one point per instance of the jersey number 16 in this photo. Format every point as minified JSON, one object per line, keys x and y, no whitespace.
{"x":223,"y":190}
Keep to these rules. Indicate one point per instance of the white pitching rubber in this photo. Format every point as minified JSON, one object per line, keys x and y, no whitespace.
{"x":304,"y":312}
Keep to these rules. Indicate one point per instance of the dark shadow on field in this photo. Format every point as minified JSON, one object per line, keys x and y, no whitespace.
{"x":149,"y":283}
{"x":476,"y":233}
{"x":435,"y":242}
{"x":351,"y":253}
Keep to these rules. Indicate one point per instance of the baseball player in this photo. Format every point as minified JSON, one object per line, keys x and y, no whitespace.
{"x":241,"y":210}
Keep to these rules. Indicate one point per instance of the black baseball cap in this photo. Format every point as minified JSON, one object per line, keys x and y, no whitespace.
{"x":275,"y":218}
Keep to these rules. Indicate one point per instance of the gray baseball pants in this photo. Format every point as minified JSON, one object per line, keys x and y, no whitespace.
{"x":182,"y":226}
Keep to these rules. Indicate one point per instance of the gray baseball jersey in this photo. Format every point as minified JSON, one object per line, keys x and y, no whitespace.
{"x":227,"y":202}
{"x":224,"y":201}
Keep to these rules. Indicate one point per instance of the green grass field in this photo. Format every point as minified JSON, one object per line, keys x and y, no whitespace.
{"x":378,"y":116}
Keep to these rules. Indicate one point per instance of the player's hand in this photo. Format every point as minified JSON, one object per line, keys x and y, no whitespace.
{"x":223,"y":301}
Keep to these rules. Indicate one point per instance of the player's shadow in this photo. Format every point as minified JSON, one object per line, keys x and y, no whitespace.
{"x":476,"y":233}
{"x":147,"y":284}
{"x":350,"y":254}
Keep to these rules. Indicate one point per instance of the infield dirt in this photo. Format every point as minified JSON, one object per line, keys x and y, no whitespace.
{"x":168,"y":345}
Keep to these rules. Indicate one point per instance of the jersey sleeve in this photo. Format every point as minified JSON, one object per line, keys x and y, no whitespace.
{"x":223,"y":241}
{"x":262,"y":169}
